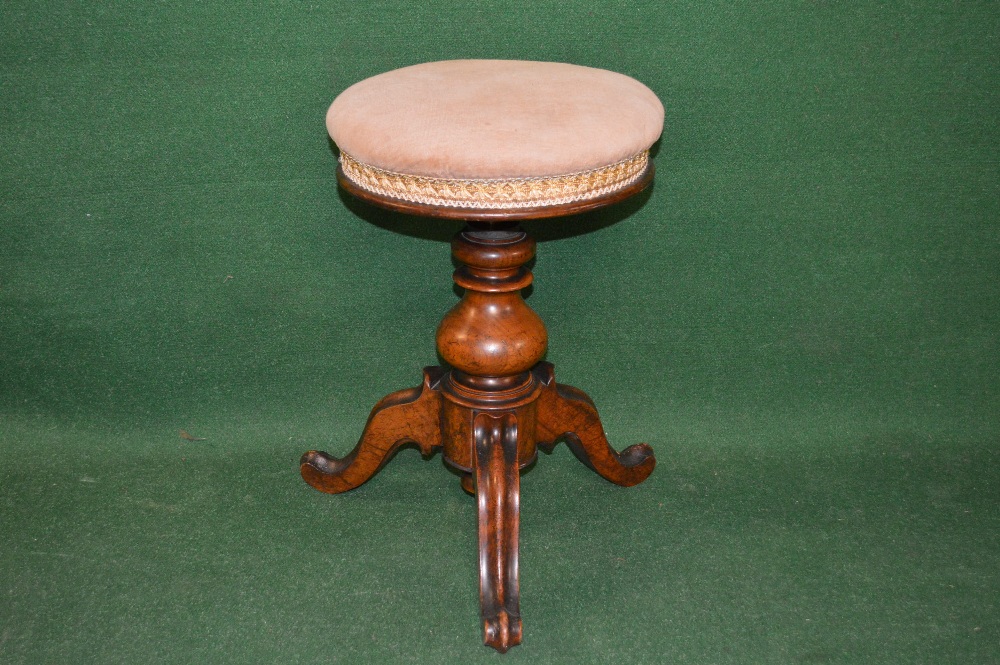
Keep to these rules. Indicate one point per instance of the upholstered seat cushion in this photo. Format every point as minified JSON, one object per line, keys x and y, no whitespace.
{"x":495,"y":133}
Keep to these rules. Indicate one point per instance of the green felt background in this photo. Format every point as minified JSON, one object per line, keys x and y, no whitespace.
{"x":802,"y":318}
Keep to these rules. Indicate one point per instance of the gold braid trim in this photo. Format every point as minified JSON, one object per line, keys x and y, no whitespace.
{"x":496,"y":193}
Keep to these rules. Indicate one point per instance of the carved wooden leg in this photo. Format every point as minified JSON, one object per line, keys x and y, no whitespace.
{"x":405,"y":416}
{"x":498,"y":493}
{"x":567,"y":413}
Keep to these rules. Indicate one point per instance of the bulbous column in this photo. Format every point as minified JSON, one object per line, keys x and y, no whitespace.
{"x":491,"y":338}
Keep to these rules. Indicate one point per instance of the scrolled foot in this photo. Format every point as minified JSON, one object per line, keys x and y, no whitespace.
{"x":627,"y":468}
{"x":498,"y":494}
{"x":323,"y":464}
{"x":502,"y":631}
{"x":565,"y":412}
{"x":405,"y":416}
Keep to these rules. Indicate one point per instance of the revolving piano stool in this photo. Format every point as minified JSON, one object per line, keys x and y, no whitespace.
{"x":491,"y":143}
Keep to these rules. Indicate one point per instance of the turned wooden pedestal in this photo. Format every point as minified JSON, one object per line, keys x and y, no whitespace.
{"x":494,"y":404}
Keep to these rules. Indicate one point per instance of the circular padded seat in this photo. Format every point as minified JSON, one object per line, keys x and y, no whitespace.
{"x":495,"y":134}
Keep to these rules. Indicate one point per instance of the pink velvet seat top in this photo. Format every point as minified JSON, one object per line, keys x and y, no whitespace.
{"x":459,"y":124}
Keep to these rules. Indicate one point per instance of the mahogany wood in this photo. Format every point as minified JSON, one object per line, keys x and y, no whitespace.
{"x":567,"y":413}
{"x":491,"y":332}
{"x":498,"y":495}
{"x":494,"y":404}
{"x":405,"y":416}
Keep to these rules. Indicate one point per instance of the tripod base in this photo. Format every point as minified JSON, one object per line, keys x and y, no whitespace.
{"x":489,"y":433}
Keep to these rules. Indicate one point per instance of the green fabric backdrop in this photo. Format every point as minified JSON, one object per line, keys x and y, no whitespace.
{"x":802,"y":318}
